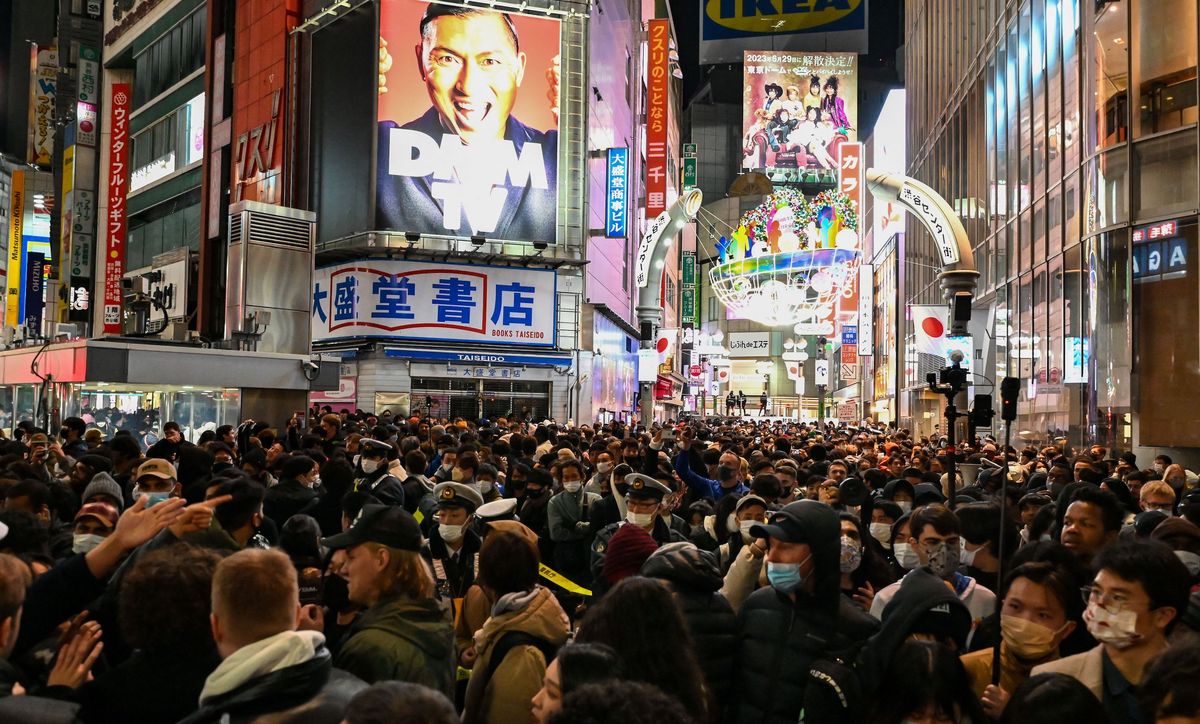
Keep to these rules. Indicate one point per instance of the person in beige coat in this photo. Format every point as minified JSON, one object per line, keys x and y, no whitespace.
{"x":519,"y":639}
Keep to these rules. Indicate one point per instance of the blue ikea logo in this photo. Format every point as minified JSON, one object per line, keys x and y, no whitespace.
{"x":748,"y":18}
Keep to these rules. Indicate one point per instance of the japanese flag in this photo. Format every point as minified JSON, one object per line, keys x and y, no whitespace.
{"x":722,"y":374}
{"x":930,"y":324}
{"x":665,"y":343}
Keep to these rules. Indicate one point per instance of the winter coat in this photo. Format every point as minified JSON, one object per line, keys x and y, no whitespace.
{"x":980,"y":601}
{"x":401,"y":638}
{"x":309,"y":691}
{"x":148,"y":687}
{"x":506,"y":696}
{"x":286,"y":499}
{"x":695,"y":579}
{"x":917,"y":595}
{"x":781,"y":636}
{"x":384,"y":486}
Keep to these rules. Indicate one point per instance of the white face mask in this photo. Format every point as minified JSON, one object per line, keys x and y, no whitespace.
{"x":573,"y":486}
{"x":644,"y":520}
{"x":450,"y":533}
{"x":603,"y":468}
{"x":370,"y":466}
{"x":84,"y":542}
{"x":905,"y":556}
{"x":966,"y":557}
{"x":745,"y":526}
{"x":904,"y":505}
{"x":485,"y":486}
{"x":1116,"y":629}
{"x":882,"y":532}
{"x":1159,"y":467}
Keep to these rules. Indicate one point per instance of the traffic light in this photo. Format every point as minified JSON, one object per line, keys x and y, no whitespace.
{"x":1010,"y":388}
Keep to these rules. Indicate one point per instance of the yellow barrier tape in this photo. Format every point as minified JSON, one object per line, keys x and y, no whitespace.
{"x":462,"y":674}
{"x":562,"y":581}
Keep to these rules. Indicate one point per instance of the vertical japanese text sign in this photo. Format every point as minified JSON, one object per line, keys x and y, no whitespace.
{"x":618,"y":193}
{"x":16,"y":232}
{"x":657,"y":105}
{"x":118,"y":185}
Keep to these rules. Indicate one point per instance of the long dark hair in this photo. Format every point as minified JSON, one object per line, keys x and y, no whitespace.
{"x":874,"y":566}
{"x":640,"y":620}
{"x":923,"y":673}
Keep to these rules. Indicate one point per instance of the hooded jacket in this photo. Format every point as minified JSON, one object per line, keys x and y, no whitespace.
{"x":780,"y":638}
{"x":695,"y":579}
{"x":401,"y":638}
{"x":506,"y":696}
{"x":288,"y":675}
{"x":919,"y":595}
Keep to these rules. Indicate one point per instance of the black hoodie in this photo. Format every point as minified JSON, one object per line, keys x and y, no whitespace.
{"x":923,"y":604}
{"x":695,"y":578}
{"x":780,"y":638}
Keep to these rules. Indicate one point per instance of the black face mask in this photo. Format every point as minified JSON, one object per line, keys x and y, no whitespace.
{"x":63,"y":433}
{"x":335,"y":592}
{"x":531,"y":493}
{"x":221,"y":467}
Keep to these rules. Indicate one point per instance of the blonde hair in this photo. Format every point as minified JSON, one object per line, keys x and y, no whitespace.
{"x":1157,"y":487}
{"x":406,"y":574}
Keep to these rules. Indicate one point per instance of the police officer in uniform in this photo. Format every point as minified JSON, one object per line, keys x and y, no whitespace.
{"x":453,"y":550}
{"x":376,"y":479}
{"x":643,"y":501}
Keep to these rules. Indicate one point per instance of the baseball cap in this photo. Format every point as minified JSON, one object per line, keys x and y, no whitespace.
{"x":157,"y":468}
{"x":39,"y":438}
{"x":103,"y":512}
{"x":783,"y":525}
{"x":383,"y":524}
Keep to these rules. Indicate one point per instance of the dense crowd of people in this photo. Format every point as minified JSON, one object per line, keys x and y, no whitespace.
{"x":348,"y":567}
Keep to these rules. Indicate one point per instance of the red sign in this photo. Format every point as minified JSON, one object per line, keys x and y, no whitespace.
{"x":1162,"y":230}
{"x":663,"y":388}
{"x":657,"y":94}
{"x":696,"y":370}
{"x":118,"y":187}
{"x":850,"y":173}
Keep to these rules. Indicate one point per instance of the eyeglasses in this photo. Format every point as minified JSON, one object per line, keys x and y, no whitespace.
{"x":1114,"y":602}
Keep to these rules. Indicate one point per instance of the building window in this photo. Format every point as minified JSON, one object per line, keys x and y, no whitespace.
{"x":175,"y":141}
{"x":175,"y":55}
{"x":1166,"y":177}
{"x":163,"y":228}
{"x":1109,"y":122}
{"x":1164,"y":63}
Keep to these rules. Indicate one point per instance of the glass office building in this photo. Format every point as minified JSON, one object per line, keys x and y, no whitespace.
{"x":1064,"y":133}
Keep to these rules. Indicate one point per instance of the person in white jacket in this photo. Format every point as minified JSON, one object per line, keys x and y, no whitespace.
{"x":936,"y":539}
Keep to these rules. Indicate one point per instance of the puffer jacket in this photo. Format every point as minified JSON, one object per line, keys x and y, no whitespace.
{"x":506,"y":695}
{"x":404,"y":639}
{"x":781,"y":636}
{"x":695,"y":579}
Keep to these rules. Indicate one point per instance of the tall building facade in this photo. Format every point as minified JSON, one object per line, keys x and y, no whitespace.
{"x":1064,"y":133}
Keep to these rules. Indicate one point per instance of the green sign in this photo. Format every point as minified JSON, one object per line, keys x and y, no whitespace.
{"x":689,"y":304}
{"x":689,"y":150}
{"x":689,"y":268}
{"x":689,"y":173}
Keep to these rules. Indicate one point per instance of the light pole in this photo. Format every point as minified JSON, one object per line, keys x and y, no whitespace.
{"x":952,"y":380}
{"x":648,"y":265}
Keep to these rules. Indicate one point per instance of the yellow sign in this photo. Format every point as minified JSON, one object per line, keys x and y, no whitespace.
{"x":772,"y":17}
{"x":16,"y":230}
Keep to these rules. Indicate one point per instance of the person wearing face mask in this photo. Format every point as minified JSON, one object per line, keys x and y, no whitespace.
{"x":93,"y":523}
{"x":570,"y":530}
{"x":485,"y":479}
{"x":1139,"y":592}
{"x":295,"y":492}
{"x":935,"y":535}
{"x":884,"y":514}
{"x":800,"y":618}
{"x":901,"y":493}
{"x":453,"y":548}
{"x":980,"y":542}
{"x":643,"y":502}
{"x":156,"y":481}
{"x":598,"y":483}
{"x":750,"y":510}
{"x":376,"y":479}
{"x":863,"y":568}
{"x":534,"y":510}
{"x":1039,"y":611}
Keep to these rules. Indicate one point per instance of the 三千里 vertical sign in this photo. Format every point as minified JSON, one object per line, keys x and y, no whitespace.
{"x":657,"y":95}
{"x":618,"y":190}
{"x":116,"y":221}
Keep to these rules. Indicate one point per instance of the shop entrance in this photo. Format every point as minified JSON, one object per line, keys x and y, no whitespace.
{"x":474,"y":398}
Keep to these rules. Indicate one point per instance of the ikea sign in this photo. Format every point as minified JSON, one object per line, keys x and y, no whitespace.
{"x":728,"y":27}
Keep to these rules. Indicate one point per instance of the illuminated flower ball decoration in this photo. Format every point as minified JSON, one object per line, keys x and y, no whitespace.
{"x":790,"y":260}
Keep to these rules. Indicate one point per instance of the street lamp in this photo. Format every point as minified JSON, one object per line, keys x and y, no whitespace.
{"x":949,"y":382}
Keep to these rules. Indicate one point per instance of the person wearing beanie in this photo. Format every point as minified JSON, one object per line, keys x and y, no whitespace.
{"x":644,"y":496}
{"x":627,"y":550}
{"x":103,"y":489}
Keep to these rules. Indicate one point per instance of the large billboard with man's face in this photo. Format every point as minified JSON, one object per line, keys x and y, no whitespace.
{"x":797,"y":109}
{"x":468,"y":122}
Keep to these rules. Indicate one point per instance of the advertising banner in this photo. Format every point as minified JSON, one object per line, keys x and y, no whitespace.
{"x":435,"y":302}
{"x":89,"y":75}
{"x":42,"y":87}
{"x":16,"y":234}
{"x":797,"y":109}
{"x":116,"y":221}
{"x":35,"y":302}
{"x":729,"y":27}
{"x":480,"y":156}
{"x":657,"y":105}
{"x":749,"y":344}
{"x":618,"y":189}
